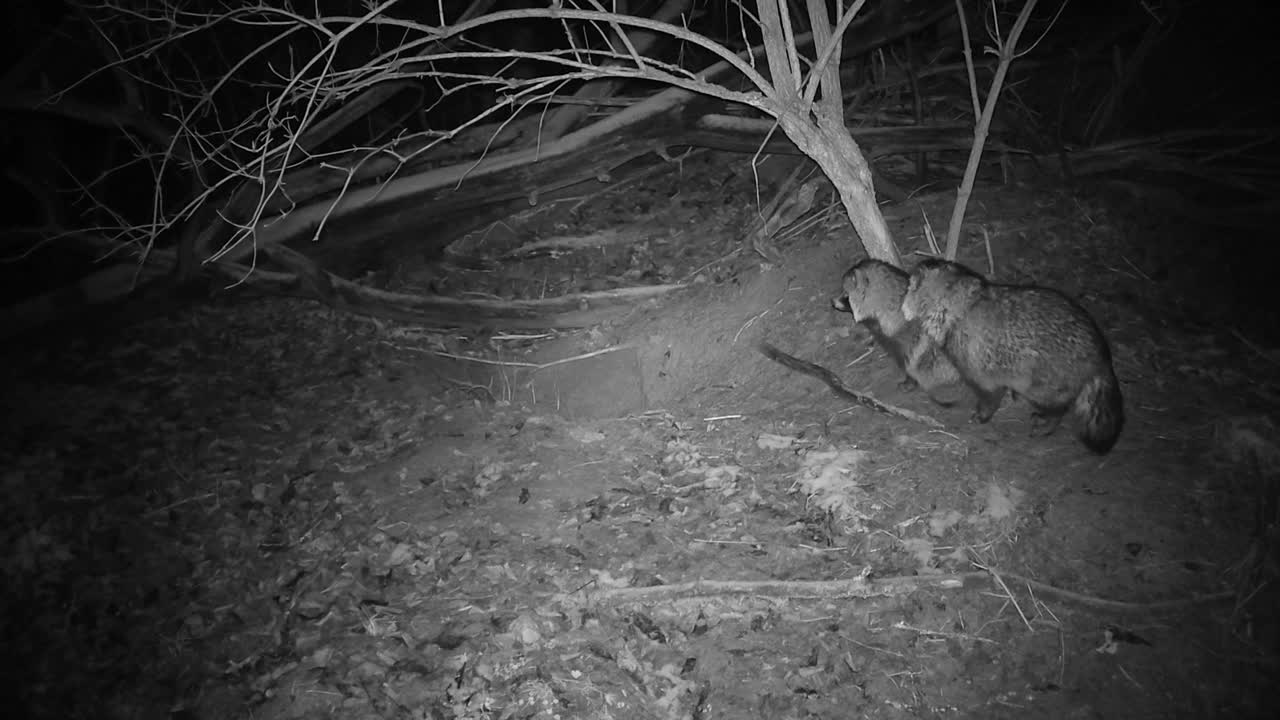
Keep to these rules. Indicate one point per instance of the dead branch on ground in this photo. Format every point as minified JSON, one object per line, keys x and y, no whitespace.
{"x":862,"y":587}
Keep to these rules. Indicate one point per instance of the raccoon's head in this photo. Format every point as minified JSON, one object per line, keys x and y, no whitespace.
{"x":844,"y":301}
{"x":872,"y":291}
{"x":852,"y":294}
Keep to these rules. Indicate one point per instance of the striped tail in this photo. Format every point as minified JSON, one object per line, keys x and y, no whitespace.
{"x":1101,"y":411}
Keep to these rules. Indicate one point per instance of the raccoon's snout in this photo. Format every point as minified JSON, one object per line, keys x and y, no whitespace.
{"x":841,"y":303}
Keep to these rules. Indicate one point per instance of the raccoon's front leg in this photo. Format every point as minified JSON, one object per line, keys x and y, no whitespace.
{"x":988,"y":403}
{"x":915,"y":359}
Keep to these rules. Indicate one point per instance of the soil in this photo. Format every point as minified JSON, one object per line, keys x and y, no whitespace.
{"x":274,"y":510}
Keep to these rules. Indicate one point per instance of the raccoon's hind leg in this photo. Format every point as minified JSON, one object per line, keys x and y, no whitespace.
{"x":1045,"y":420}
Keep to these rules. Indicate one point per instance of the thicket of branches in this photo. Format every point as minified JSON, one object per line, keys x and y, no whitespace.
{"x":224,"y":105}
{"x":236,"y":126}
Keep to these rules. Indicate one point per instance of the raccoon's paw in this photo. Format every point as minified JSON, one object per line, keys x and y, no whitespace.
{"x":985,"y":411}
{"x":988,"y":403}
{"x":908,"y":384}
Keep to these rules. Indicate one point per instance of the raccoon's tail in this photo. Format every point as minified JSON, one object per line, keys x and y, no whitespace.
{"x":1101,"y":411}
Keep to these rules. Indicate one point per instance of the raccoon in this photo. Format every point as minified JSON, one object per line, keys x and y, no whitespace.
{"x":1035,"y":342}
{"x":872,"y":293}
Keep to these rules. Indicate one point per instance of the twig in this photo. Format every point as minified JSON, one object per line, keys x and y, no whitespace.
{"x":1007,"y":52}
{"x":941,"y":633}
{"x":532,"y":366}
{"x":833,"y":382}
{"x":991,"y":260}
{"x":1253,"y":346}
{"x":1119,"y":605}
{"x":873,"y":648}
{"x":968,"y":60}
{"x":1000,"y":581}
{"x":882,"y":587}
{"x":752,"y":320}
{"x":601,"y":238}
{"x":930,"y":237}
{"x":690,"y":276}
{"x":166,"y":508}
{"x":809,"y":589}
